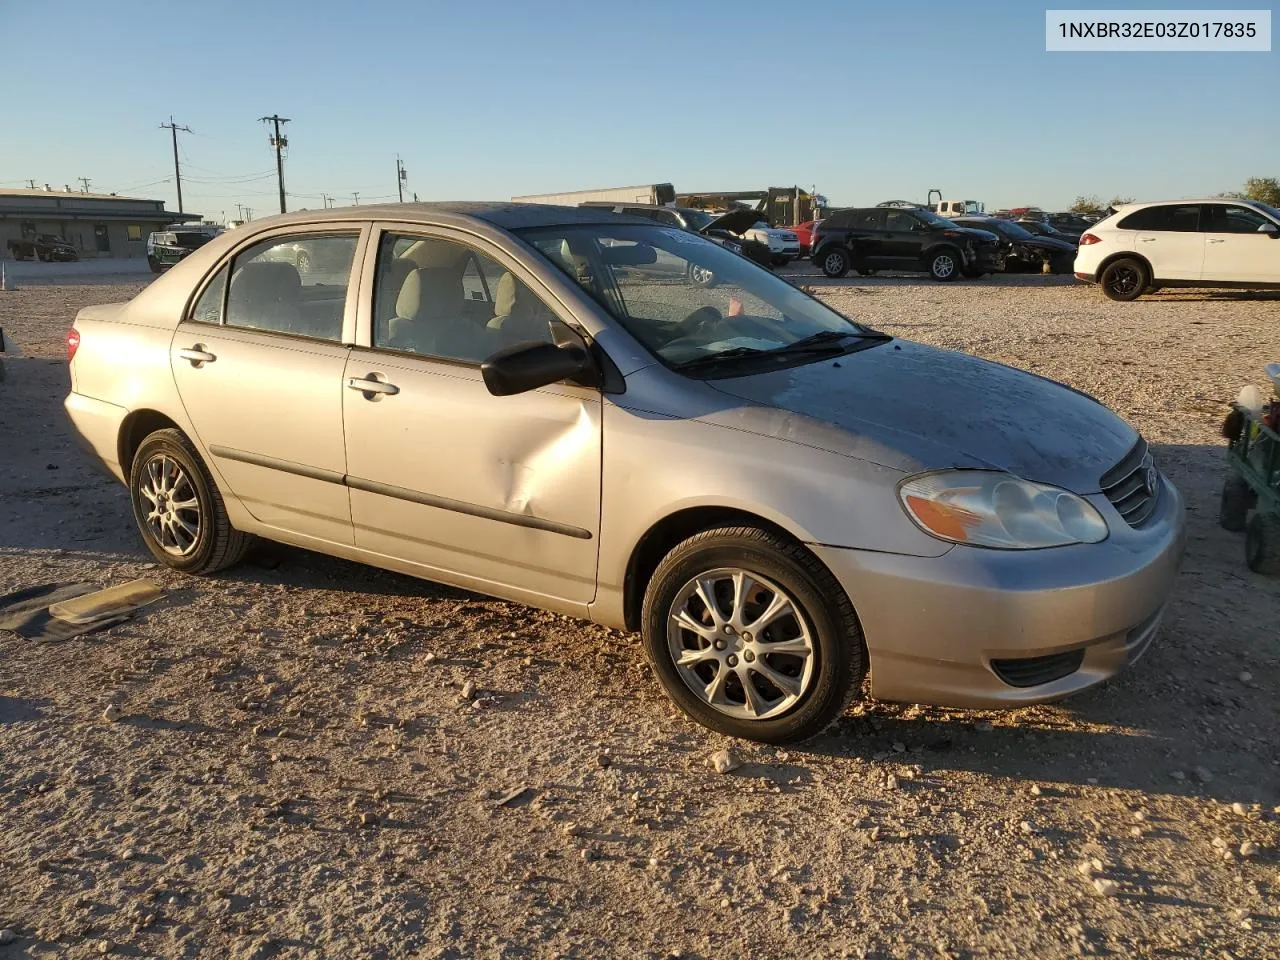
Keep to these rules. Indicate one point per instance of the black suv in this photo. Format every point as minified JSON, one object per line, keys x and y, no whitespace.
{"x":889,"y":238}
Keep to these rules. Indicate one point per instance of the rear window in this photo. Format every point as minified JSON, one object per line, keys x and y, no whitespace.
{"x":1174,"y":218}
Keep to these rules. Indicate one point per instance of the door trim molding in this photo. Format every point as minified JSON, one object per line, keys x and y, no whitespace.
{"x":400,"y":493}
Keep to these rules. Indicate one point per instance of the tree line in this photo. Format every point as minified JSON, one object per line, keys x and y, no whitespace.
{"x":1262,"y":189}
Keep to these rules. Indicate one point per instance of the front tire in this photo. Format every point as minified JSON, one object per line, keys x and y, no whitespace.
{"x":835,"y":262}
{"x":1124,"y":279}
{"x":1262,"y":544}
{"x":945,"y":265}
{"x":787,"y":679}
{"x":178,"y":509}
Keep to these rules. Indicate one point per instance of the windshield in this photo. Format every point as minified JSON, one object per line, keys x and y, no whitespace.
{"x":189,"y":241}
{"x":1267,"y":208}
{"x":697,"y":219}
{"x":1011,"y":230}
{"x":933,"y":219}
{"x":684,"y":297}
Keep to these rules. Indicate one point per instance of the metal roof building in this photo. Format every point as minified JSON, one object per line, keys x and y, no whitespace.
{"x":96,"y":224}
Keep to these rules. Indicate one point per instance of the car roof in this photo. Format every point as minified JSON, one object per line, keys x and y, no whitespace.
{"x":504,"y":214}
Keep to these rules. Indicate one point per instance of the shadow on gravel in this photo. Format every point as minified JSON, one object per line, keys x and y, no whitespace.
{"x":20,"y":710}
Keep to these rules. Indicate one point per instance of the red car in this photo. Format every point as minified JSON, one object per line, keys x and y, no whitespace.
{"x":804,"y":231}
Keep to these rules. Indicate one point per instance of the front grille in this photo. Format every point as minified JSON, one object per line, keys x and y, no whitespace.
{"x":1033,"y":671}
{"x":1133,"y":485}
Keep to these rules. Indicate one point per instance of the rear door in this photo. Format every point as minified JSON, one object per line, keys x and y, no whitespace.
{"x":259,"y":362}
{"x":1238,"y":246}
{"x":1169,"y":237}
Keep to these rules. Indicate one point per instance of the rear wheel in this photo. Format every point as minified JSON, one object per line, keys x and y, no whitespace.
{"x":178,"y":508}
{"x":752,"y":636}
{"x":1124,"y":279}
{"x":701,"y":276}
{"x":304,"y":262}
{"x":1237,"y":498}
{"x":945,"y":264}
{"x":835,"y":262}
{"x":1262,"y":544}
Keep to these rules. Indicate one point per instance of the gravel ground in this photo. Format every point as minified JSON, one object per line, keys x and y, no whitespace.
{"x":298,"y":770}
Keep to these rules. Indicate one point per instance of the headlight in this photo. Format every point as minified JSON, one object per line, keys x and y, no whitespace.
{"x":984,"y":508}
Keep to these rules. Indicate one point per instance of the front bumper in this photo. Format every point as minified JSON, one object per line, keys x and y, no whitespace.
{"x":934,"y":626}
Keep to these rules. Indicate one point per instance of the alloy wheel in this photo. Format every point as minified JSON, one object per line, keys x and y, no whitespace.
{"x":170,"y":506}
{"x":1124,"y":279}
{"x":943,"y":266}
{"x":834,"y":263}
{"x":741,"y":644}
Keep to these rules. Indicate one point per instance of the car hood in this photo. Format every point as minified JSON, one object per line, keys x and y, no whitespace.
{"x":977,"y":233}
{"x":914,"y":407}
{"x":735,"y":221}
{"x":1048,"y":243}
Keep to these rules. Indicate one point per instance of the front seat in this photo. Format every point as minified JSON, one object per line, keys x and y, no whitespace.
{"x":267,"y":295}
{"x":518,"y":316}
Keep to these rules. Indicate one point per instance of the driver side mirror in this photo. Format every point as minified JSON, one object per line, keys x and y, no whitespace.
{"x":1270,"y":229}
{"x":527,"y":366}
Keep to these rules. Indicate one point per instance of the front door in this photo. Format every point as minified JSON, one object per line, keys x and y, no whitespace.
{"x":1238,"y":246}
{"x":259,"y":365}
{"x":501,"y":494}
{"x":101,"y":239}
{"x":903,"y":242}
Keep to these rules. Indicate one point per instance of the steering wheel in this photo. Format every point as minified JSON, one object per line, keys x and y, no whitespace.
{"x":698,"y":321}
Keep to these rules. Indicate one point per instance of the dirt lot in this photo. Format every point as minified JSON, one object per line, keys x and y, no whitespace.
{"x":295,"y":773}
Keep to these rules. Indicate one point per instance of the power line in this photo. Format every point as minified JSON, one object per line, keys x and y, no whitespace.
{"x":85,"y":182}
{"x":278,"y":143}
{"x":173,"y":128}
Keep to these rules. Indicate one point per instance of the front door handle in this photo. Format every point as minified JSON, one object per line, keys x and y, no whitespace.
{"x":369,"y":386}
{"x":1147,"y":239}
{"x":1219,"y":240}
{"x":197,"y":354}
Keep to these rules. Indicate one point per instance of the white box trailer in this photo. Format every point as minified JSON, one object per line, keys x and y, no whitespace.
{"x":650,"y":193}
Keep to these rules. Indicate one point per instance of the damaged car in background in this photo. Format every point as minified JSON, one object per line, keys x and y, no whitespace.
{"x":781,"y":501}
{"x":1024,"y":250}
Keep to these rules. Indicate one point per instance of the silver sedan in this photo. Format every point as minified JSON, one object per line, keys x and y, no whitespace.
{"x":622,"y":421}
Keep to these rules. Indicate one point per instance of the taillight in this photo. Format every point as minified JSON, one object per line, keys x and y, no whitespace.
{"x":1088,"y":238}
{"x":73,"y":343}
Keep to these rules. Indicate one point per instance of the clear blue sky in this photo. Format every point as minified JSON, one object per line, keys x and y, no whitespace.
{"x":869,"y":101}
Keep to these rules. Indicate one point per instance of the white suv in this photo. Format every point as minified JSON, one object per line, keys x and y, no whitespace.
{"x":1185,"y":243}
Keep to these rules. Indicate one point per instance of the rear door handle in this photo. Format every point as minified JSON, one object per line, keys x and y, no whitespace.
{"x":1147,"y":239}
{"x":1212,"y":240}
{"x":368,"y":385}
{"x":197,"y":355}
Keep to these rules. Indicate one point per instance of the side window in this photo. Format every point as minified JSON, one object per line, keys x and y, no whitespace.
{"x":208,"y":309}
{"x":899,"y":221}
{"x":1230,"y":219}
{"x":865,"y":220}
{"x":1180,"y":218}
{"x":425,"y":303}
{"x":294,"y":284}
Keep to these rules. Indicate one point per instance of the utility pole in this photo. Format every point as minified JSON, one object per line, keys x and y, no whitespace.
{"x":84,"y":181}
{"x":356,"y":197}
{"x":31,"y":184}
{"x":278,"y":143}
{"x":401,"y":174}
{"x":177,"y":172}
{"x":328,"y":200}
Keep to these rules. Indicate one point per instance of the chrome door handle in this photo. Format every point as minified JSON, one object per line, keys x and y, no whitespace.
{"x":1211,"y":240}
{"x":368,"y":385}
{"x":1147,"y":239}
{"x":197,"y":355}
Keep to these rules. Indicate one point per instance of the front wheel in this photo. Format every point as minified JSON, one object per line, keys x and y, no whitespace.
{"x":701,"y":276}
{"x":752,"y":636}
{"x":1124,"y":279}
{"x":178,"y":508}
{"x":945,"y":265}
{"x":1262,"y":544}
{"x":835,"y":263}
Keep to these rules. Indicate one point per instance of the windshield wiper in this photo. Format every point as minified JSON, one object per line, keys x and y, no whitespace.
{"x":712,"y":359}
{"x":828,"y":341}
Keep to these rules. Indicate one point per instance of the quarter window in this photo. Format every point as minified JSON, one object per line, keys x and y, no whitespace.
{"x":295,"y":284}
{"x":1231,"y":219}
{"x":443,"y":299}
{"x":208,"y":308}
{"x":1180,"y":218}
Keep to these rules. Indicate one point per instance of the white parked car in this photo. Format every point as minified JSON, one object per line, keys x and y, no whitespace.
{"x":784,"y":245}
{"x":1185,"y":243}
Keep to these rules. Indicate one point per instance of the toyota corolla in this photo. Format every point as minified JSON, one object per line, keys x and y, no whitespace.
{"x":791,"y":508}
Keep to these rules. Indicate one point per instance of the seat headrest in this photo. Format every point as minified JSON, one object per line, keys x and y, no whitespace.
{"x":429,"y":292}
{"x":266,"y":280}
{"x":392,"y":282}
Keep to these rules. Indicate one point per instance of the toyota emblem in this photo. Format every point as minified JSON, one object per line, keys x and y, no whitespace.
{"x":1151,"y":479}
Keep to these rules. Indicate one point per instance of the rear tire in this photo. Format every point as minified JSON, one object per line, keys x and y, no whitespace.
{"x":1262,"y":544}
{"x":822,"y":681}
{"x":1124,"y":279}
{"x":1237,"y":499}
{"x":945,"y":265}
{"x":168,"y":455}
{"x":835,"y":262}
